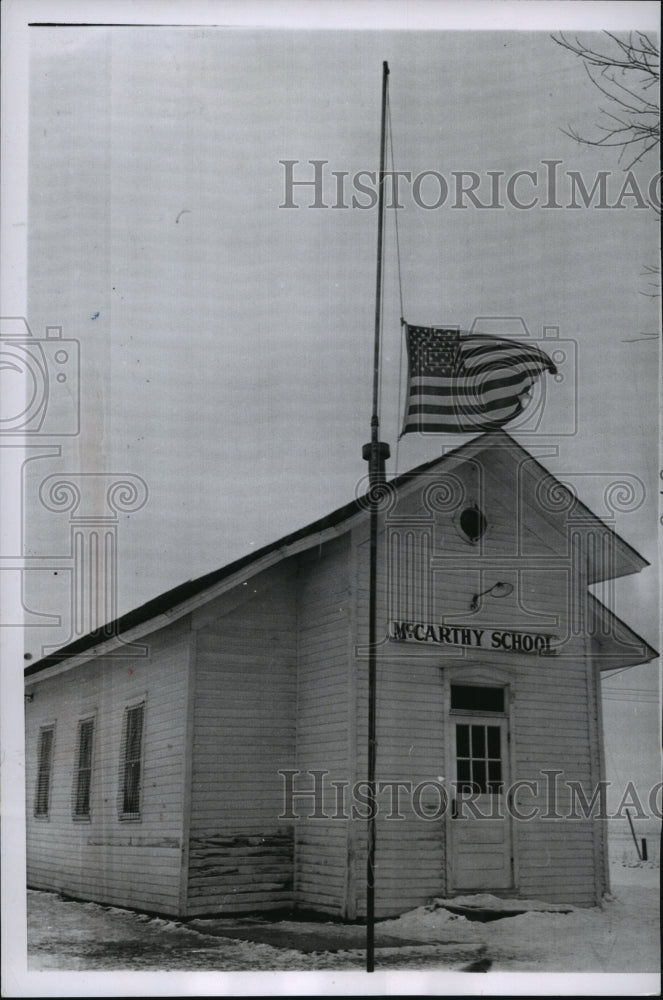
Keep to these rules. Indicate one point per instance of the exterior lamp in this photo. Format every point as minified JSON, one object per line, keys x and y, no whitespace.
{"x":498,"y":589}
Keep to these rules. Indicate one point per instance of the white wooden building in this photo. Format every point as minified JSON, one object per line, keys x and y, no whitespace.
{"x":159,"y":781}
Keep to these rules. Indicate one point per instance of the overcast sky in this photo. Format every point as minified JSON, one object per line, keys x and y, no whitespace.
{"x":226,"y":342}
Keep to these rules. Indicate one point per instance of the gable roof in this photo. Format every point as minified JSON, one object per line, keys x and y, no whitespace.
{"x":178,"y":601}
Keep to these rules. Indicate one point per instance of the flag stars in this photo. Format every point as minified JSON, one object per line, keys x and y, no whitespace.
{"x":435,"y":350}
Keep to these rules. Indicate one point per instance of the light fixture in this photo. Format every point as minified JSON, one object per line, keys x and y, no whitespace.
{"x":498,"y":589}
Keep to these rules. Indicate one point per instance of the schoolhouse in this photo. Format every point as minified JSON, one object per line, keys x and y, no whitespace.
{"x":206,"y":753}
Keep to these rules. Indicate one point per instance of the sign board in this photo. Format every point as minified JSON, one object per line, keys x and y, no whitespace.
{"x":475,"y":638}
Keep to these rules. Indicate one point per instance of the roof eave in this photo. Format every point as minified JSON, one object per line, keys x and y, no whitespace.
{"x":611,"y":624}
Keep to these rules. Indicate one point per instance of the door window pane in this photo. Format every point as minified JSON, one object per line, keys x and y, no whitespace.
{"x":479,"y":775}
{"x":494,"y":741}
{"x":462,"y":741}
{"x":478,"y":759}
{"x":495,"y":774}
{"x":464,"y":772}
{"x":473,"y":698}
{"x":478,"y":741}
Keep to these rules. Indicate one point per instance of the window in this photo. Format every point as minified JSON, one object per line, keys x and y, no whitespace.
{"x":479,"y":758}
{"x":83,"y":770}
{"x":479,"y":741}
{"x":472,"y":698}
{"x":131,"y":761}
{"x":44,"y":767}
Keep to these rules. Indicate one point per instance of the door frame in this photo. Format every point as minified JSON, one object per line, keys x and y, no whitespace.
{"x":482,"y":674}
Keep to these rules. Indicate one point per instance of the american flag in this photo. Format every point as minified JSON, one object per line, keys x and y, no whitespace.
{"x":467,"y":382}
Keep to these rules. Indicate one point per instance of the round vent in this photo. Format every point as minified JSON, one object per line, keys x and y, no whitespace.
{"x":473,"y":523}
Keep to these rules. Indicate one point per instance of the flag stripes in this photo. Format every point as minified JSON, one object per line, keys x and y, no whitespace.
{"x":460,"y":383}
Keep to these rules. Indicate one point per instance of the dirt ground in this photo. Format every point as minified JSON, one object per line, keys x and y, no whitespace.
{"x":622,"y":936}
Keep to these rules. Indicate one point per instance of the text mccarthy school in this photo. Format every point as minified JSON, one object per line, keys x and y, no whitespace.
{"x":455,"y":636}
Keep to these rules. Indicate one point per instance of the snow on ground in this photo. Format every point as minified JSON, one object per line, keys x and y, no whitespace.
{"x":72,"y":936}
{"x":620,"y":936}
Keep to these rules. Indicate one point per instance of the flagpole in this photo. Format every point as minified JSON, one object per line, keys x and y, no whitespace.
{"x":375,"y":454}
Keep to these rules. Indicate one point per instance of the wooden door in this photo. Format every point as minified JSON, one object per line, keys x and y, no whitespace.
{"x":481,"y":842}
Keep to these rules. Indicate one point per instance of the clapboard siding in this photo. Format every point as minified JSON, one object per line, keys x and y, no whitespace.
{"x":555,"y":857}
{"x":240,"y":852}
{"x":410,"y":852}
{"x":323,"y":720}
{"x":136,"y":862}
{"x":240,"y":873}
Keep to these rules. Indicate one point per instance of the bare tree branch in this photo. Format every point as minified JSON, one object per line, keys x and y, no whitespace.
{"x":642,"y":57}
{"x":623,"y":70}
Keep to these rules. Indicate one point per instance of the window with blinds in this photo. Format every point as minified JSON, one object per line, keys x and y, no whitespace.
{"x":83,"y":769}
{"x":131,"y":758}
{"x":44,"y":769}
